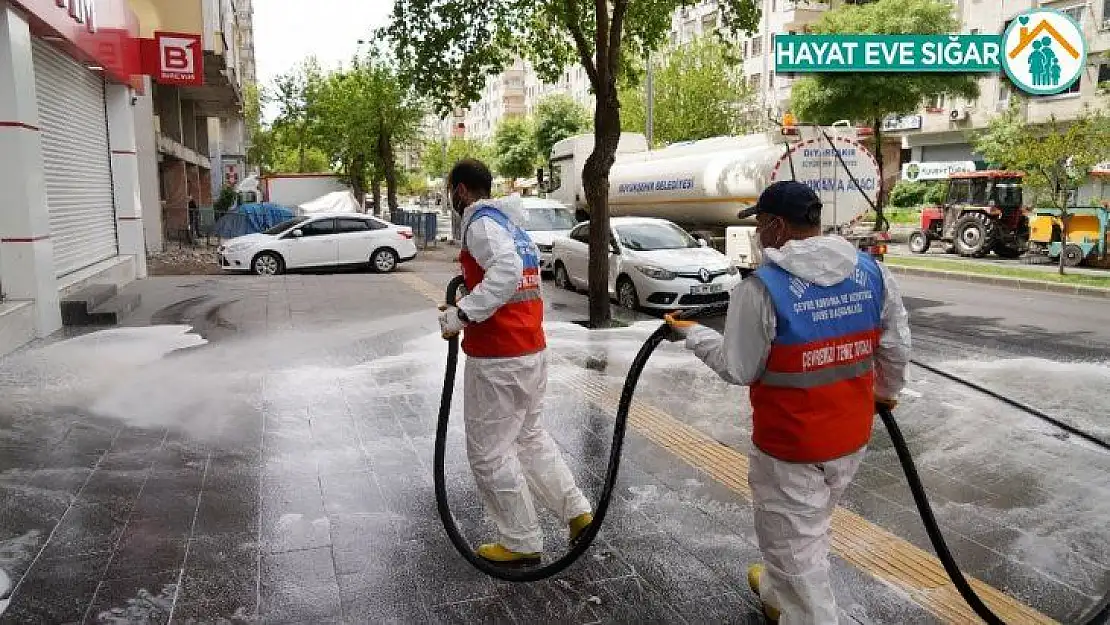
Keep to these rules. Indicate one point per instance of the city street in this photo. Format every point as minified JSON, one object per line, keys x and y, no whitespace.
{"x":260,"y":449}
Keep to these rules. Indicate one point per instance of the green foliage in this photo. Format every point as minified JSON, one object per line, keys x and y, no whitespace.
{"x":515,"y":144}
{"x":698,"y":94}
{"x":457,"y":149}
{"x":1056,"y":156}
{"x":226,"y":199}
{"x":558,"y":117}
{"x":450,"y":46}
{"x":868,"y":97}
{"x":908,"y":193}
{"x":936,"y":193}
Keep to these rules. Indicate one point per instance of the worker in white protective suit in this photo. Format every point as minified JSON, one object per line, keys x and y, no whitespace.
{"x":501,"y":318}
{"x":820,"y":335}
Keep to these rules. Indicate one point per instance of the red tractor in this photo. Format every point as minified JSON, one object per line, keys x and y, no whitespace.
{"x":982,"y":212}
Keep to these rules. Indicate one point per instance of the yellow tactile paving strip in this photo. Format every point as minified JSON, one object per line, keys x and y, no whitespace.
{"x":865,"y":545}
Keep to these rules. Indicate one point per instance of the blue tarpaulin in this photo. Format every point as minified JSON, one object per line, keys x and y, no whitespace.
{"x":251,"y":218}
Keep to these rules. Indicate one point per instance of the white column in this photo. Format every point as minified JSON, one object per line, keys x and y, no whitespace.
{"x":26,"y":253}
{"x":125,"y":176}
{"x":149,"y":194}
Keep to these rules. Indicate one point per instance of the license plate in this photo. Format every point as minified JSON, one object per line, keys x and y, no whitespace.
{"x":706,"y":289}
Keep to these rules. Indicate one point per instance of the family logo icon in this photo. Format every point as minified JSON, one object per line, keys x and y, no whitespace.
{"x":1045,"y":52}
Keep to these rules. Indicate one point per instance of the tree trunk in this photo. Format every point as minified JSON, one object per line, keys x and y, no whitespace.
{"x":1063,"y":231}
{"x":595,"y":182}
{"x":878,"y":127}
{"x":376,"y":191}
{"x":389,"y":169}
{"x":355,"y":174}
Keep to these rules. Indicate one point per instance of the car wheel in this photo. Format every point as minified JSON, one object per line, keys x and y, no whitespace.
{"x":268,"y":264}
{"x":626,"y":294}
{"x":384,"y":260}
{"x":562,"y":279}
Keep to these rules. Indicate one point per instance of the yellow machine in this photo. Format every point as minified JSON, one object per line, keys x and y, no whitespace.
{"x":1087,"y":235}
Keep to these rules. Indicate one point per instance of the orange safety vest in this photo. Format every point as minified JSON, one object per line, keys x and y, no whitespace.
{"x":815,"y":400}
{"x":515,"y":329}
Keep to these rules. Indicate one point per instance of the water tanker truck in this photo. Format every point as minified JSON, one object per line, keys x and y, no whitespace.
{"x":702,"y":185}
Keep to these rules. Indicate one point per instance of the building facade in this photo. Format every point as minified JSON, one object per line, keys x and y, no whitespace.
{"x":97,"y":158}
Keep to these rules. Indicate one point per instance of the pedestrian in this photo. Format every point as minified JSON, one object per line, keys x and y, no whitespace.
{"x":820,"y":335}
{"x":501,"y":318}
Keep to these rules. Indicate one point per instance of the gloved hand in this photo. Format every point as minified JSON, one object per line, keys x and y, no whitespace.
{"x":889,"y":404}
{"x":449,"y":322}
{"x":678,"y":327}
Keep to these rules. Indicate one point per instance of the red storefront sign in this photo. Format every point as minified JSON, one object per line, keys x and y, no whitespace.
{"x":102,"y":33}
{"x":105,"y":34}
{"x":174,"y":59}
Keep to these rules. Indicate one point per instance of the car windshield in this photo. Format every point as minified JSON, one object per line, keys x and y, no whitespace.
{"x":645,"y":237}
{"x":548,"y":218}
{"x":283,"y":226}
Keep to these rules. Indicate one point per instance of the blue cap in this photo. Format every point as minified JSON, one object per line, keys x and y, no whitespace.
{"x":789,"y":199}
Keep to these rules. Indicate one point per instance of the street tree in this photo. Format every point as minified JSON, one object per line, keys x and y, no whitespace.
{"x":294,"y":93}
{"x":451,"y":46}
{"x":514,"y":145}
{"x":362,"y":115}
{"x":558,"y":116}
{"x":437,"y":156}
{"x":698,"y":92}
{"x":870,"y":97}
{"x":1056,"y":156}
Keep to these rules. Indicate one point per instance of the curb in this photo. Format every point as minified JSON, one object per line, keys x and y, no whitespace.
{"x":1013,"y":283}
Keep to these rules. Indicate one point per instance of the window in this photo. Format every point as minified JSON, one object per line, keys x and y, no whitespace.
{"x":935,"y":103}
{"x":757,"y":46}
{"x":1075,"y":86}
{"x":1004,"y":92}
{"x":960,"y":191}
{"x":282,"y":227}
{"x":755,"y":80}
{"x":352,"y":225}
{"x":1105,"y":13}
{"x":1076,"y":13}
{"x":318,"y":228}
{"x":1103,"y":74}
{"x":581,"y":234}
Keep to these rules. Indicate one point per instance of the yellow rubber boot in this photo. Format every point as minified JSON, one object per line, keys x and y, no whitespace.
{"x":499,"y":554}
{"x":578,"y":525}
{"x":755,"y":571}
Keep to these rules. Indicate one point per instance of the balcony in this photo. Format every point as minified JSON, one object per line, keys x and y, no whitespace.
{"x":796,"y":15}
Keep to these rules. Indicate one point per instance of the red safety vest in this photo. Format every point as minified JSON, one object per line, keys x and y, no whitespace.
{"x":515,"y":329}
{"x":815,"y":400}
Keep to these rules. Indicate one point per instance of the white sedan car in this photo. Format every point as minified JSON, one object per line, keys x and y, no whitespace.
{"x":335,"y":240}
{"x":544,"y":221}
{"x":652,"y":264}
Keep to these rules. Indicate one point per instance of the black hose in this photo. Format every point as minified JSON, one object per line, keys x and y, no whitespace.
{"x":1070,"y":429}
{"x":588,"y":535}
{"x":1098,"y":615}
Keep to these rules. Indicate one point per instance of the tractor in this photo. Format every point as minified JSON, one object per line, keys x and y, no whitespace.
{"x":981,"y":213}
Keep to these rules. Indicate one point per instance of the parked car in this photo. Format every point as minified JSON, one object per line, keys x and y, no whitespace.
{"x":546,"y":220}
{"x":653,"y":263}
{"x":329,"y":240}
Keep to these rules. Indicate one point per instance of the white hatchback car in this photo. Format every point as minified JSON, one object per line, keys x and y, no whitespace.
{"x":544,"y":221}
{"x":334,"y":240}
{"x":653,"y":263}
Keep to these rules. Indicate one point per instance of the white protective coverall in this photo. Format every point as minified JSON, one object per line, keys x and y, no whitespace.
{"x":511,"y":454}
{"x":794,"y":502}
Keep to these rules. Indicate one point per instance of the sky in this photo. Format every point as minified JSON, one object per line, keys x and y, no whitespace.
{"x":287,"y":31}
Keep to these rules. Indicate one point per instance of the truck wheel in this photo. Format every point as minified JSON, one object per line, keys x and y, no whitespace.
{"x":919,"y":242}
{"x":973,"y":235}
{"x":1073,"y":255}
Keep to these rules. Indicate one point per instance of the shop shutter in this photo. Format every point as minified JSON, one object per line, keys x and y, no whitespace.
{"x":76,"y":160}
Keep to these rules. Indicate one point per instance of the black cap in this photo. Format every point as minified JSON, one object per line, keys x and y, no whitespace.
{"x":789,"y":199}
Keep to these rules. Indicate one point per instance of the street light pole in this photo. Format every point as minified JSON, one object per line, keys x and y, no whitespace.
{"x":650,"y":100}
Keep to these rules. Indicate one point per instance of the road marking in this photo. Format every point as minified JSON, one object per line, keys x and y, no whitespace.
{"x":869,"y":547}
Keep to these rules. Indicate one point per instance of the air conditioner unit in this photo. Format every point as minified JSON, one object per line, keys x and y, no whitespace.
{"x":958,"y":115}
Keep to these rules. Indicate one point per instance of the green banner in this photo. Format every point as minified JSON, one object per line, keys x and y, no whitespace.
{"x":887,"y":53}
